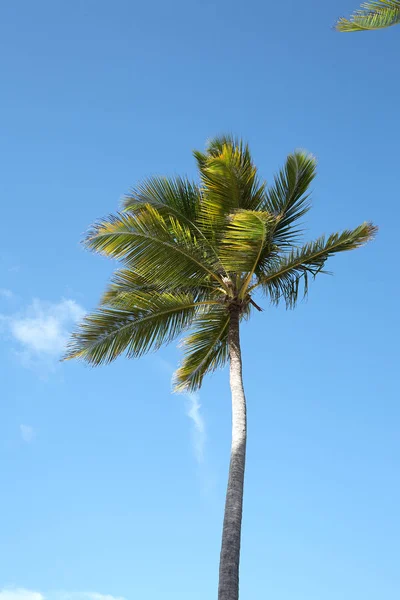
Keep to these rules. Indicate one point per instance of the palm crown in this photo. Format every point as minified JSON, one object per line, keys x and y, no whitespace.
{"x":193,"y":252}
{"x":375,"y":14}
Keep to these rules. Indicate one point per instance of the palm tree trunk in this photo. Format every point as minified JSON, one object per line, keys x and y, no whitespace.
{"x":230,"y":548}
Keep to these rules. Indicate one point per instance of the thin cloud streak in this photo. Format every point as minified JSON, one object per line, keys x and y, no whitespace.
{"x":199,"y":431}
{"x":96,"y":596}
{"x":27,"y":433}
{"x":14,"y":593}
{"x":20,"y":594}
{"x":193,"y":407}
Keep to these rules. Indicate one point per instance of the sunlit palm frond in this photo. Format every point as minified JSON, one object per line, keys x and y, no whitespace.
{"x":288,"y":199}
{"x":372,"y":15}
{"x":206,"y":349}
{"x":247,"y":235}
{"x":229,"y":182}
{"x":141,"y":322}
{"x":161,"y":250}
{"x":215,"y":147}
{"x":282,"y":280}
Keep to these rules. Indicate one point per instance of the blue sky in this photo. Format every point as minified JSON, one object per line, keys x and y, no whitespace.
{"x":111,"y":486}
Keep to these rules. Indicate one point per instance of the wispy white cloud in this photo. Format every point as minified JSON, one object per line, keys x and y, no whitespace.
{"x":27,"y":434}
{"x":199,"y":430}
{"x":65,"y":595}
{"x":19,"y":594}
{"x":24,"y":594}
{"x":193,"y":407}
{"x":40,"y":331}
{"x":5,"y":293}
{"x":165,"y":366}
{"x":96,"y":596}
{"x":44,"y":327}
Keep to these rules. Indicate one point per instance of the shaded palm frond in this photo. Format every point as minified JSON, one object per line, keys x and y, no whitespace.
{"x":141,"y":322}
{"x":282,"y":281}
{"x":176,"y":196}
{"x":371,"y":15}
{"x":126,"y":281}
{"x":287,"y":198}
{"x":206,"y":349}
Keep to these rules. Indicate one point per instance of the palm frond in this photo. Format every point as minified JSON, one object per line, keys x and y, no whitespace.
{"x":282,"y":281}
{"x":206,"y":349}
{"x":141,"y":322}
{"x":246,"y":236}
{"x":215,"y":147}
{"x":126,"y":281}
{"x":175,"y":196}
{"x":372,"y":15}
{"x":158,"y":249}
{"x":229,"y":182}
{"x":287,"y":198}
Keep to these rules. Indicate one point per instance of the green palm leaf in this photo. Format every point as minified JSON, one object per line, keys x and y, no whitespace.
{"x":229,"y":182}
{"x":247,"y":236}
{"x":283,"y":278}
{"x":126,"y":281}
{"x":287,"y":199}
{"x":372,"y":15}
{"x":175,"y":196}
{"x":161,"y":250}
{"x":215,"y":147}
{"x":139,"y":323}
{"x":206,"y":349}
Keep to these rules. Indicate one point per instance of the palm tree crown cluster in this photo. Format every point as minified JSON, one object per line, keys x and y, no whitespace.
{"x":192,"y":253}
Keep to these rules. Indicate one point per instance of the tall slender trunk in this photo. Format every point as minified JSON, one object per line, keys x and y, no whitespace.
{"x":230,"y":549}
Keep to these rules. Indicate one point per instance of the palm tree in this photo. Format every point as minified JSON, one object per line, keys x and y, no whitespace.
{"x":193,"y":256}
{"x":375,"y":14}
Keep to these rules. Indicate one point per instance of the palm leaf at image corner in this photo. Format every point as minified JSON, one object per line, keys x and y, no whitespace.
{"x":378,"y":14}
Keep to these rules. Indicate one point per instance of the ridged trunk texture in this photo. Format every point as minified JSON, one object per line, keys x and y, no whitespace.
{"x":230,"y":549}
